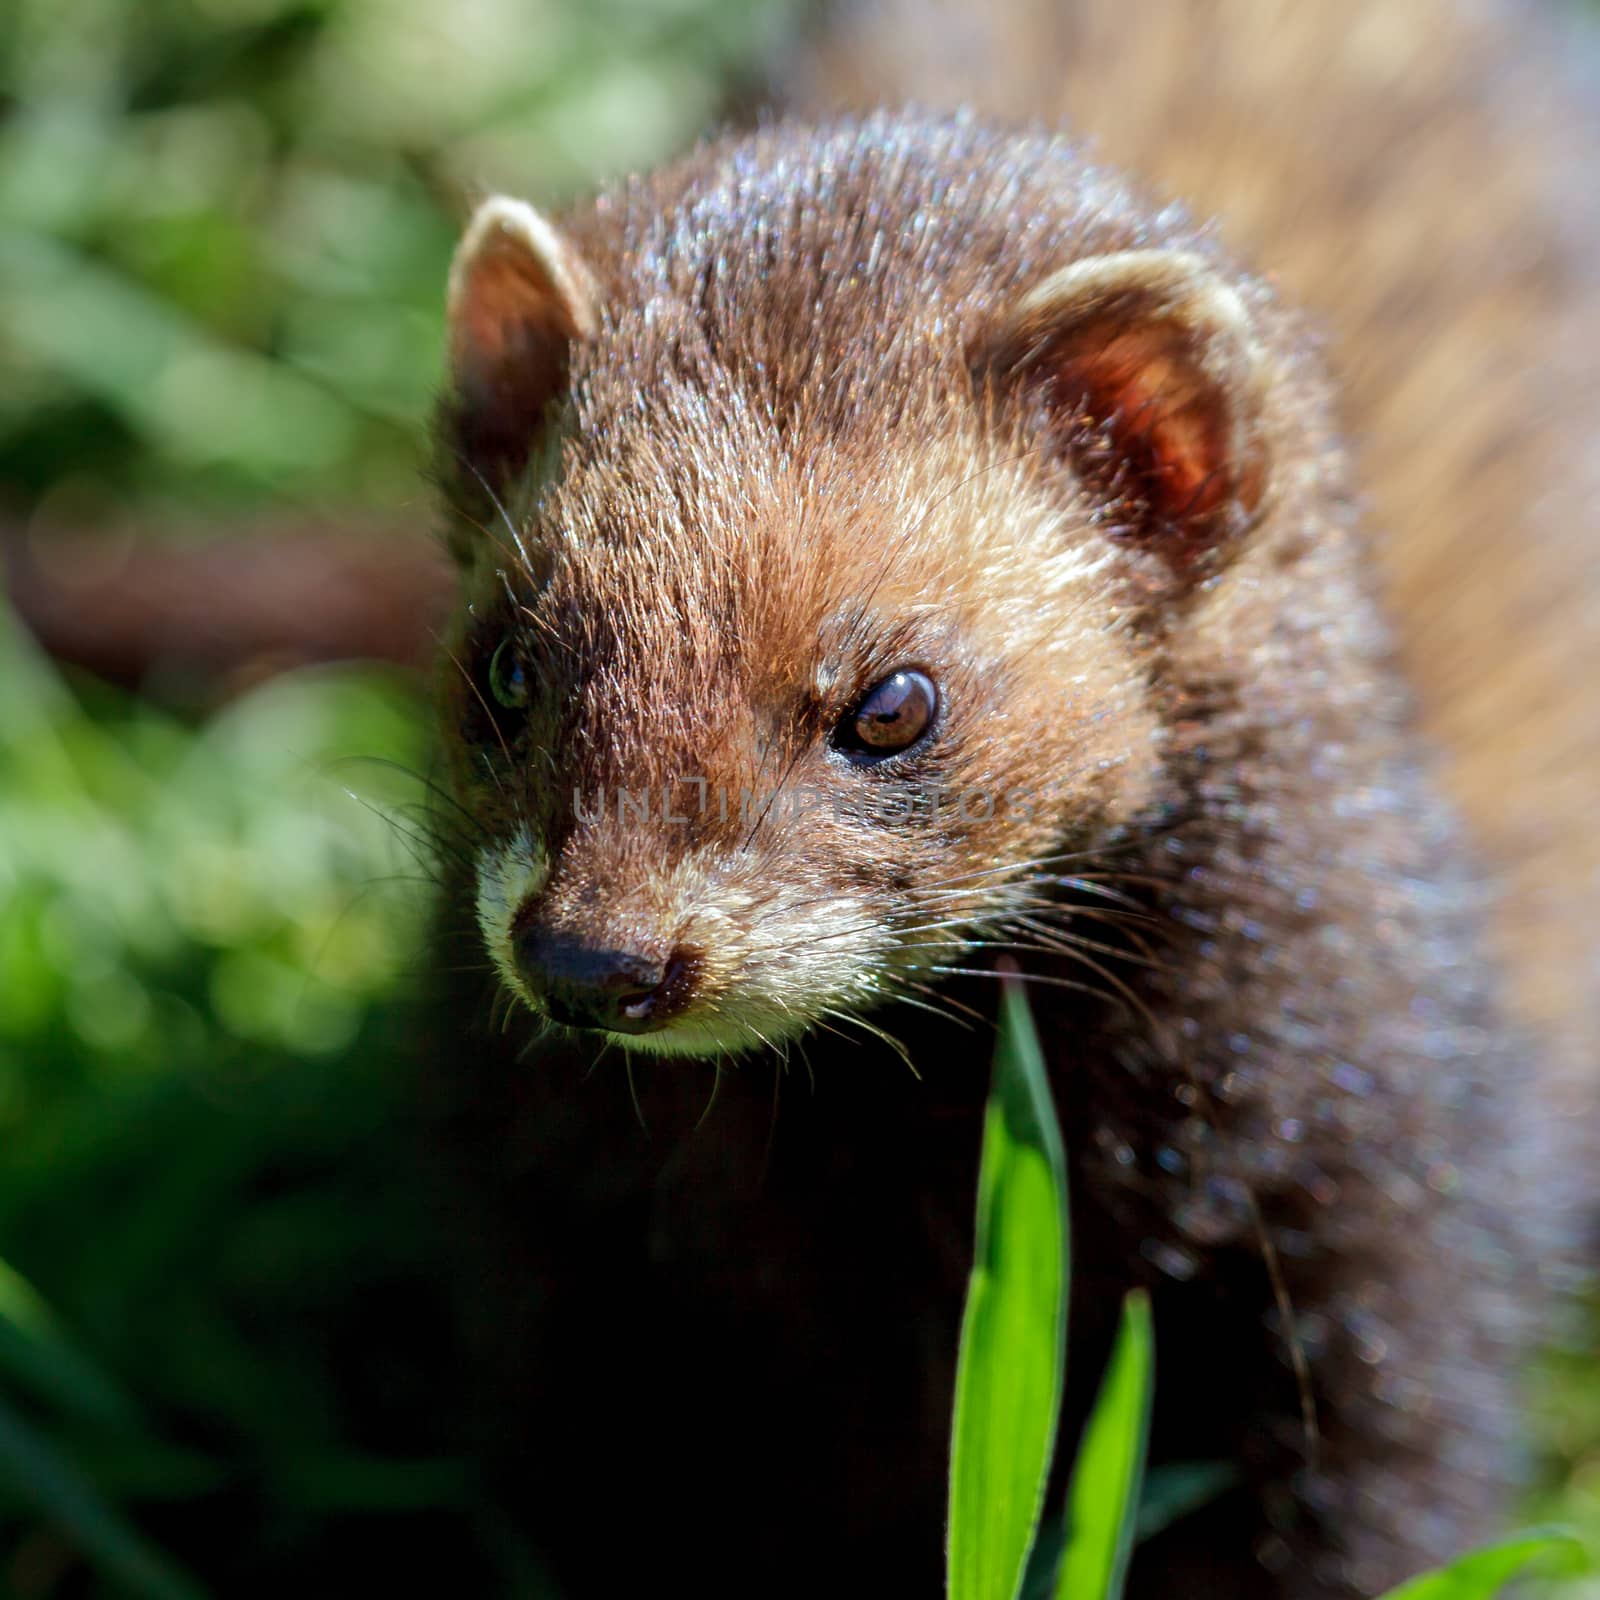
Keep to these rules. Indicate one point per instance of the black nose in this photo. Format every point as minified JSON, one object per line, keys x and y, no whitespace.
{"x":584,"y":987}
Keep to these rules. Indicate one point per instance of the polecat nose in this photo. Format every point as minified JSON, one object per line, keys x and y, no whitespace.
{"x":584,"y":987}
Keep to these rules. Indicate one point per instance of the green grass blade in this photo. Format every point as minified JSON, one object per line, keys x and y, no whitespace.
{"x":36,"y":1353}
{"x":1103,"y":1501}
{"x":72,"y":1504}
{"x":1013,"y":1334}
{"x":1484,"y":1573}
{"x":1173,"y":1491}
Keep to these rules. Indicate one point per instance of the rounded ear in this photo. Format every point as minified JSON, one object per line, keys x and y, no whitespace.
{"x":519,"y":298}
{"x":1149,"y":357}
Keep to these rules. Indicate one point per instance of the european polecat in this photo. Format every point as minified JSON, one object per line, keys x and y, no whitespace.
{"x":887,"y":543}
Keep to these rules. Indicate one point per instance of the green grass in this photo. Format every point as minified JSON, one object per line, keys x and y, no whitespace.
{"x":1009,"y":1379}
{"x":1013,"y":1334}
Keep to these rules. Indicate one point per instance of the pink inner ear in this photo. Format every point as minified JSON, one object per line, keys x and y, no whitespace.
{"x":1165,"y":413}
{"x":519,"y":301}
{"x":506,"y":303}
{"x":491,"y":305}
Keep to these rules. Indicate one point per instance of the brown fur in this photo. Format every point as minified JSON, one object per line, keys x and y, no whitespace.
{"x":789,"y":461}
{"x":1419,"y":178}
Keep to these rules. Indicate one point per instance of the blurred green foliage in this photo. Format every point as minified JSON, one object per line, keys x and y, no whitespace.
{"x":175,"y":896}
{"x":204,"y":1196}
{"x":224,"y":224}
{"x":224,"y":231}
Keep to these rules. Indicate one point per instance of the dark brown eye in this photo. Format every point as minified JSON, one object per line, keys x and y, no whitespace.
{"x":891,"y":717}
{"x":508,"y":678}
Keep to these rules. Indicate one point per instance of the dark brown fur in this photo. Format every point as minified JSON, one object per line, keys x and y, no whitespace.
{"x":786,"y":447}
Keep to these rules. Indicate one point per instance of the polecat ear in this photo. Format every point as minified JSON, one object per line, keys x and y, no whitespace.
{"x":1151,"y":370}
{"x":519,"y":297}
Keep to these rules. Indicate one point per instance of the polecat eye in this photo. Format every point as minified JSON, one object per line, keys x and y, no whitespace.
{"x":889,"y":718}
{"x":508,"y":678}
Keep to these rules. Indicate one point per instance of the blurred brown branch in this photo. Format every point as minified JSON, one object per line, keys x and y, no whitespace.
{"x":196,"y":623}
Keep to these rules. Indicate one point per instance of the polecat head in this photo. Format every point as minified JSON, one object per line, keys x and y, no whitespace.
{"x":823,"y":506}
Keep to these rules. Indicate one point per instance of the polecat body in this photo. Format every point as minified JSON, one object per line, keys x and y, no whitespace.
{"x":887,"y":543}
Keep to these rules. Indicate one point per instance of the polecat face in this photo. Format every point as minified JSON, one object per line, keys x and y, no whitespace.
{"x":808,"y":607}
